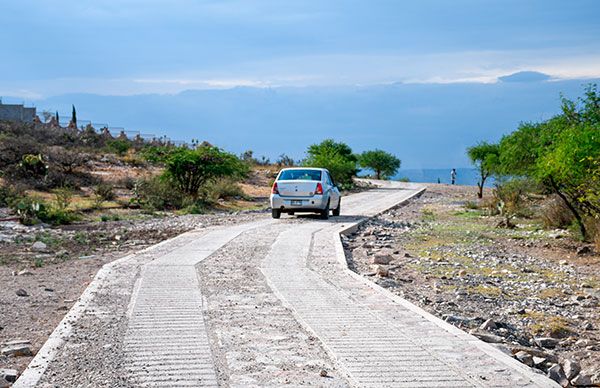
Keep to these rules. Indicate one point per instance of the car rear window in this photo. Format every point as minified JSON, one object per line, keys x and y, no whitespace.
{"x":302,"y":175}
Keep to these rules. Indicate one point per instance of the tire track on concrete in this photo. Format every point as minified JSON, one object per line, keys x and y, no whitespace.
{"x":166,"y":343}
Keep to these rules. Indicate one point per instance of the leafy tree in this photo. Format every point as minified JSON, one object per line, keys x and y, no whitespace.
{"x":190,"y":169}
{"x":382,"y":163}
{"x":485,"y":156}
{"x":560,"y":153}
{"x":336,"y":157}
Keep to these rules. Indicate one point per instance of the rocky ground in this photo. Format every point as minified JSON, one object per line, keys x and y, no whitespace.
{"x":534,"y":291}
{"x":44,"y":270}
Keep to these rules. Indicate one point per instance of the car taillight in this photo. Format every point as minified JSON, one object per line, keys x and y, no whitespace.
{"x":319,"y":189}
{"x":275,"y":190}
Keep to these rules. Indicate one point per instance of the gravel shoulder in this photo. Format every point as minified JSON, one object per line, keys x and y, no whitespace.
{"x":256,"y":340}
{"x":526,"y":289}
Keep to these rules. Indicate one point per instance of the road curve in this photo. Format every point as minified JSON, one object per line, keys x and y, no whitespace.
{"x":377,"y":339}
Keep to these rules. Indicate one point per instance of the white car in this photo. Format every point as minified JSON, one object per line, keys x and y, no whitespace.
{"x":302,"y":189}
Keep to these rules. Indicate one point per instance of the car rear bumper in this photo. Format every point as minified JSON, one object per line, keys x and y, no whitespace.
{"x":306,"y":204}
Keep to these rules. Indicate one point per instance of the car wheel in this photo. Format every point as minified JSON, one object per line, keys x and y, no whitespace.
{"x":291,"y":213}
{"x":276,"y":213}
{"x":325,"y":212}
{"x":338,"y":209}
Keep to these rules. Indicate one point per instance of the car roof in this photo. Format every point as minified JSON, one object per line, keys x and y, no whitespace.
{"x":304,"y":168}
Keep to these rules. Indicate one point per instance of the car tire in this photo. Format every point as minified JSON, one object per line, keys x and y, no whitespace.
{"x":291,"y":213}
{"x":338,"y":209}
{"x":325,"y":212}
{"x":275,"y":213}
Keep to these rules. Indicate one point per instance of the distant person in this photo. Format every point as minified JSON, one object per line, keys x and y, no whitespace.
{"x":439,"y":181}
{"x":453,"y":176}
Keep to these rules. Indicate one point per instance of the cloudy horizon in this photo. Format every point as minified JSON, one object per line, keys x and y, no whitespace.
{"x":134,"y":47}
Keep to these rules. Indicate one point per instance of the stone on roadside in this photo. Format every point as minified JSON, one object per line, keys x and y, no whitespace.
{"x":546,"y":342}
{"x":489,"y":324}
{"x":21,"y":292}
{"x":571,"y":368}
{"x":524,"y":357}
{"x":17,"y":350}
{"x":25,"y":272}
{"x":39,"y":246}
{"x":323,"y":373}
{"x":556,"y":373}
{"x":539,"y":361}
{"x":9,"y":375}
{"x":487,"y":337}
{"x":382,"y":271}
{"x":382,"y":258}
{"x":587,"y":377}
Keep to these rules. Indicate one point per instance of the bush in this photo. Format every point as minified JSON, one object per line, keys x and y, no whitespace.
{"x":555,"y":214}
{"x":158,"y":193}
{"x":8,"y":194}
{"x":382,"y":163}
{"x":190,"y":170}
{"x":118,"y":146}
{"x":63,"y":197}
{"x":34,"y":165}
{"x":103,"y":192}
{"x":510,"y":199}
{"x":223,"y":189}
{"x":34,"y":210}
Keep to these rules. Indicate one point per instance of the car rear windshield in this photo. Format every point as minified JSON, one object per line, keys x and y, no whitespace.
{"x":302,"y":175}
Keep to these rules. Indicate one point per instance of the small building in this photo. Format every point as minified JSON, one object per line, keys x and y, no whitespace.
{"x":16,"y":112}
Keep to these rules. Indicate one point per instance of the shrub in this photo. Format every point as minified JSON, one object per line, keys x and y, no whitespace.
{"x":224,"y":189}
{"x":133,"y":159}
{"x":510,"y":199}
{"x":158,"y":193}
{"x":189,"y":170}
{"x":63,"y":197}
{"x":555,"y":214}
{"x":8,"y":194}
{"x":103,"y":192}
{"x":118,"y":146}
{"x":34,"y":164}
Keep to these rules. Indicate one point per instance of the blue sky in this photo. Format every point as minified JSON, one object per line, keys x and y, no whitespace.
{"x":145,"y":46}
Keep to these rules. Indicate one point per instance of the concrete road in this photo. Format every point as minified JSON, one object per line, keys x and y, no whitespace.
{"x":164,"y":317}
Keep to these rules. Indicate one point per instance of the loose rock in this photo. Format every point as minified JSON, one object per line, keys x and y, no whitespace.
{"x":21,"y":292}
{"x":524,"y":357}
{"x":571,"y":368}
{"x":39,"y":246}
{"x":556,"y":373}
{"x":546,"y":342}
{"x":9,"y":375}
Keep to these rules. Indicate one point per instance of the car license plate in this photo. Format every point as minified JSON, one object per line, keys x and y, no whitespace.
{"x":296,"y":203}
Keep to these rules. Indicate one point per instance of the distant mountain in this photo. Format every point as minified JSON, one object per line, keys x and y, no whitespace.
{"x":525,"y":76}
{"x":426,"y":125}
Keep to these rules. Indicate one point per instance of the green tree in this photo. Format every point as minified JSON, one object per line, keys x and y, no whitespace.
{"x":560,"y":153}
{"x":382,"y":163}
{"x":336,"y":157}
{"x":190,"y":169}
{"x":485,"y":157}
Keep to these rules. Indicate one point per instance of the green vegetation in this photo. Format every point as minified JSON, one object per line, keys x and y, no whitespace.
{"x":190,"y":170}
{"x":485,"y":157}
{"x":382,"y":163}
{"x":336,"y":157}
{"x":559,"y":156}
